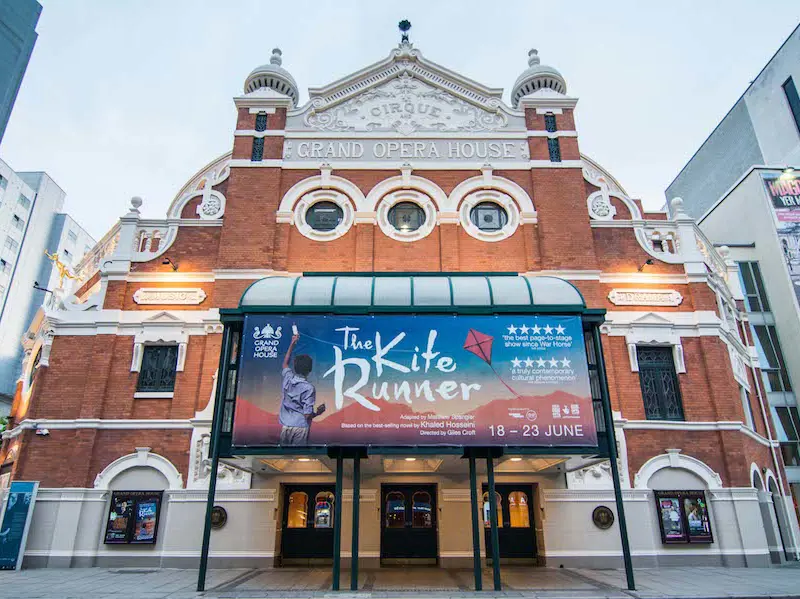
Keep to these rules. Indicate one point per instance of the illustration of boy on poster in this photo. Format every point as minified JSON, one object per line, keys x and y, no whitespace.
{"x":297,"y":397}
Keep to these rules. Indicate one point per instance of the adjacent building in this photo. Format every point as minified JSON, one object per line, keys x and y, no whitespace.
{"x":31,"y":222}
{"x":18,"y":20}
{"x":762,"y":129}
{"x":377,"y":308}
{"x":741,"y":186}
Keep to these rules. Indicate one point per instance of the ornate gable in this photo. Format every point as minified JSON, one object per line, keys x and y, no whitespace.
{"x":405,"y":93}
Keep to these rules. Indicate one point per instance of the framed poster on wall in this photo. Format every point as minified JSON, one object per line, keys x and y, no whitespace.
{"x":683,"y":517}
{"x":133,"y":517}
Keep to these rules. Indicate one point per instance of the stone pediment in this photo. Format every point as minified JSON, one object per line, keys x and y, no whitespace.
{"x":405,"y":94}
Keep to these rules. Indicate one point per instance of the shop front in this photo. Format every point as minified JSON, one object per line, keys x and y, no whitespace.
{"x":429,"y":395}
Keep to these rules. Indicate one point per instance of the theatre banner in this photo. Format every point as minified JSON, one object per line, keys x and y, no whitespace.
{"x":316,"y":380}
{"x":783,"y":190}
{"x":16,"y":523}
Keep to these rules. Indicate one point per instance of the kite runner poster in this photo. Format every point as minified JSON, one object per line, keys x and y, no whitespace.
{"x":314,"y":380}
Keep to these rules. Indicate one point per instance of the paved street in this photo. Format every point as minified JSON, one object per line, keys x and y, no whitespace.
{"x":140,"y":583}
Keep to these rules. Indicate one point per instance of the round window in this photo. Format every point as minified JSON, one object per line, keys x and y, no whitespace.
{"x":488,"y":216}
{"x":324,"y":216}
{"x":406,"y":216}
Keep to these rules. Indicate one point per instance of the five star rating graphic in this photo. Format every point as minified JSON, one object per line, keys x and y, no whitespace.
{"x":542,"y":363}
{"x":535,"y":330}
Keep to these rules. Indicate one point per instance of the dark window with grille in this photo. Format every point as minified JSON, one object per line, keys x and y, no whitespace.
{"x":660,"y":389}
{"x":261,"y":121}
{"x":794,"y":100}
{"x":550,"y":122}
{"x":554,"y":150}
{"x":258,"y":149}
{"x":157,"y":373}
{"x":754,"y":294}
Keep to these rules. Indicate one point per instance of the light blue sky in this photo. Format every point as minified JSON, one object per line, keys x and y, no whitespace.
{"x":132,"y":98}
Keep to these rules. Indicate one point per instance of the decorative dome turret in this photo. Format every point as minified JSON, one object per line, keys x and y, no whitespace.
{"x":537,"y":76}
{"x":272,"y":76}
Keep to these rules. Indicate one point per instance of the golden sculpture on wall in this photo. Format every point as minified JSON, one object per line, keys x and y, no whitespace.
{"x":63,"y":271}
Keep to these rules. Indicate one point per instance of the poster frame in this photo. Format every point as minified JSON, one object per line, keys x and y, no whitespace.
{"x":136,"y":497}
{"x":586,"y":318}
{"x":681,"y":496}
{"x":26,"y":529}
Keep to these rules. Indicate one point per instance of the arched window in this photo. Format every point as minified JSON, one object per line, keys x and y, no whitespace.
{"x":324,"y":216}
{"x":34,"y":367}
{"x":298,"y":510}
{"x":518,"y":510}
{"x":422,"y":510}
{"x":488,"y":216}
{"x":395,"y":510}
{"x":406,"y":216}
{"x":323,"y":510}
{"x":487,"y":522}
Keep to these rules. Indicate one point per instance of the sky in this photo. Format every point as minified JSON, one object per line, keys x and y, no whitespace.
{"x":130,"y":98}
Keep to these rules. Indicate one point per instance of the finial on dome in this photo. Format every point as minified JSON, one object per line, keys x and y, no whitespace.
{"x":276,"y":57}
{"x":536,"y":77}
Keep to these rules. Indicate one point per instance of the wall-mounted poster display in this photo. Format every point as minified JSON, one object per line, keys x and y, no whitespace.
{"x":16,"y":522}
{"x":385,"y":380}
{"x":683,"y":517}
{"x":133,"y":517}
{"x":783,"y":190}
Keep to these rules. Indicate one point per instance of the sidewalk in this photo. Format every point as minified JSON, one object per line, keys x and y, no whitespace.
{"x":142,"y":583}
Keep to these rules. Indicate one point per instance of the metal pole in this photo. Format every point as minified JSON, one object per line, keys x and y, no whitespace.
{"x":493,"y":524}
{"x":356,"y":506}
{"x":216,"y":428}
{"x":612,"y":457}
{"x":337,"y":523}
{"x":476,"y":536}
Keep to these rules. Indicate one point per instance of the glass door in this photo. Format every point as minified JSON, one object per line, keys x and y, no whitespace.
{"x":515,"y":529}
{"x":307,"y":523}
{"x":408,"y":523}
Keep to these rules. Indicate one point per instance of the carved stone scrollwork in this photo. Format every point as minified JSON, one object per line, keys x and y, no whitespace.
{"x":406,"y":105}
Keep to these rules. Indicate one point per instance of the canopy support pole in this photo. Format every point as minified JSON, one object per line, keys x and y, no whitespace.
{"x":337,"y":523}
{"x":611,"y":439}
{"x":493,"y":523}
{"x":356,"y":507}
{"x":216,"y":428}
{"x":476,"y":538}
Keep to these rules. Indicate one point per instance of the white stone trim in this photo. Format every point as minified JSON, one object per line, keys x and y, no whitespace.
{"x":302,"y":207}
{"x":98,"y":424}
{"x":325,"y":180}
{"x":600,"y":206}
{"x":754,"y":468}
{"x":169,"y":295}
{"x":172,"y":334}
{"x":426,"y":165}
{"x":153,"y":395}
{"x":645,"y":297}
{"x":405,"y":181}
{"x":674,"y":459}
{"x":406,"y":195}
{"x":492,"y":196}
{"x":142,"y":458}
{"x":681,"y":425}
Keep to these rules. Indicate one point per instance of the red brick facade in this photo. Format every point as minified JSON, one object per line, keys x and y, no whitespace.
{"x":89,"y":376}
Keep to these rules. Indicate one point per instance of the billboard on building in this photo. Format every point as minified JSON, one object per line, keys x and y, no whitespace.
{"x":783,"y":190}
{"x":315,"y":380}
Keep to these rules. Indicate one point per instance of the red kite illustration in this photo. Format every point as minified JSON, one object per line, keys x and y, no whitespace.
{"x":480,"y":344}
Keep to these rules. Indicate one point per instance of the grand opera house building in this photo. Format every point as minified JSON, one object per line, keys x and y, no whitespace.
{"x":402,"y":322}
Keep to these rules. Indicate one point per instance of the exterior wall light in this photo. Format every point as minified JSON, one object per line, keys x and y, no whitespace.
{"x":167,"y":262}
{"x":647,"y":262}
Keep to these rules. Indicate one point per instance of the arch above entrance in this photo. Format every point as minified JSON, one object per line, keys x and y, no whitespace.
{"x":674,"y":459}
{"x":142,"y":458}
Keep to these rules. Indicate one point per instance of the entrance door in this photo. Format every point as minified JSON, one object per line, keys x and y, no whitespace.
{"x":307,"y":531}
{"x":408,"y":523}
{"x":514,"y":521}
